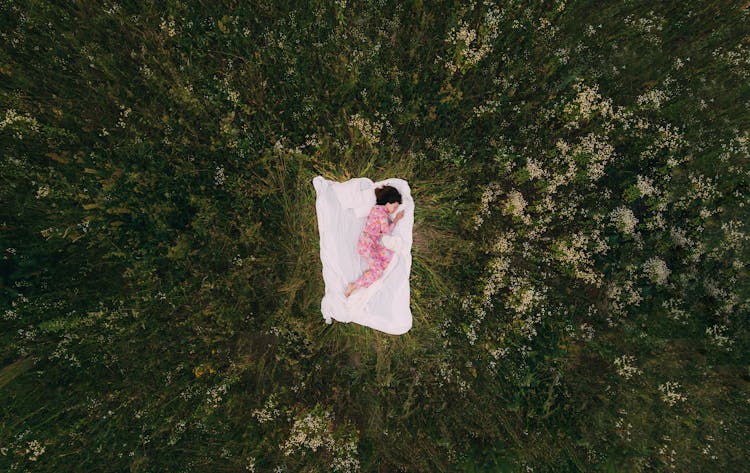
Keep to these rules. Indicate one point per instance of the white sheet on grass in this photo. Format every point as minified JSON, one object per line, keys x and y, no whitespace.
{"x":342,"y":209}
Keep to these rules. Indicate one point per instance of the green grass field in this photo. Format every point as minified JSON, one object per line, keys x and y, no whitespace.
{"x":579,"y":285}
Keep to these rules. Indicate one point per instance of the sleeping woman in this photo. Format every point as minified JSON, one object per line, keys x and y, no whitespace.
{"x":369,"y":245}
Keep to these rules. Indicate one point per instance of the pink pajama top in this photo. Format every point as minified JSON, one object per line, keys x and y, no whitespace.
{"x":376,"y":225}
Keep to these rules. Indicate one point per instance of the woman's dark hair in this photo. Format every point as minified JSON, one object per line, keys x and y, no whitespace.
{"x":387,"y":195}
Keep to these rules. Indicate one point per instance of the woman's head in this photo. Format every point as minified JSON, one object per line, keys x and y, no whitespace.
{"x":388,"y":196}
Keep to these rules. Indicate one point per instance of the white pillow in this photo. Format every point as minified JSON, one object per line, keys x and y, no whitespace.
{"x":394,"y":243}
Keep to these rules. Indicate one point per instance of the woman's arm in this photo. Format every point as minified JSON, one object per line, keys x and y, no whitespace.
{"x":387,"y":225}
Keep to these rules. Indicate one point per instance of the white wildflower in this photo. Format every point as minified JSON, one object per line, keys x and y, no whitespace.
{"x":309,"y":432}
{"x":370,"y":130}
{"x":515,"y":204}
{"x":718,"y":337}
{"x":42,"y":191}
{"x":624,"y":219}
{"x":734,"y":237}
{"x":488,"y":196}
{"x":573,"y":251}
{"x":219,"y":177}
{"x":497,"y":272}
{"x":313,"y":432}
{"x":587,"y":331}
{"x":626,"y":366}
{"x":645,"y":186}
{"x":670,"y":394}
{"x":656,"y":270}
{"x":168,"y":27}
{"x":588,"y":101}
{"x":674,"y":312}
{"x":600,"y":153}
{"x":215,"y":395}
{"x":654,"y":98}
{"x":11,"y":117}
{"x":534,"y":169}
{"x":469,"y":46}
{"x":269,"y":410}
{"x":34,"y":449}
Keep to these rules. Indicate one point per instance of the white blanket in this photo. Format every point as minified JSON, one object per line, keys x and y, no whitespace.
{"x":342,"y":209}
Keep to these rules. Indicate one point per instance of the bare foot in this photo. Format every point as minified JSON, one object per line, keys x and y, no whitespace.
{"x":349,"y":289}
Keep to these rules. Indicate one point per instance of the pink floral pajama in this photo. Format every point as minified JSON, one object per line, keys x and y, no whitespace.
{"x":370,"y":247}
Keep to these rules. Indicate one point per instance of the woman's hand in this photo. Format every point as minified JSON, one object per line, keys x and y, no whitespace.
{"x":398,"y":216}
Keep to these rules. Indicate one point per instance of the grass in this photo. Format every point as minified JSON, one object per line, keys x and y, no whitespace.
{"x":161,"y":273}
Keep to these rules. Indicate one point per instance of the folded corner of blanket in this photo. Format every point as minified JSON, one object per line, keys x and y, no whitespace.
{"x":318,"y":181}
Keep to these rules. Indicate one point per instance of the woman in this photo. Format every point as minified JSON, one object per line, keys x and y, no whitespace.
{"x":369,"y":245}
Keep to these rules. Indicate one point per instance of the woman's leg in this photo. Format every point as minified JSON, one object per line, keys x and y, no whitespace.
{"x":378,"y":260}
{"x":363,"y":249}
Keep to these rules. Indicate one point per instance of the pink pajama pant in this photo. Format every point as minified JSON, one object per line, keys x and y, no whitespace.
{"x":377,"y":257}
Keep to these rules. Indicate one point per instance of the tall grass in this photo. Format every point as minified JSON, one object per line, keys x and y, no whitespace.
{"x":579,"y":280}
